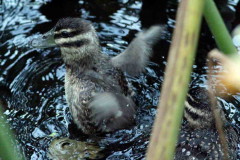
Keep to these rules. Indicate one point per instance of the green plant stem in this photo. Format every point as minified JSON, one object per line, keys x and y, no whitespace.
{"x":171,"y":104}
{"x":218,"y":28}
{"x":7,"y":142}
{"x":225,"y":44}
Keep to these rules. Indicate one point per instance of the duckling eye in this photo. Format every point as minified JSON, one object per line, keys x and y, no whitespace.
{"x":65,"y":34}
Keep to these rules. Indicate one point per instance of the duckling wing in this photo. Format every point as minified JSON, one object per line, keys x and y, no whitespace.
{"x":112,"y":111}
{"x":134,"y":59}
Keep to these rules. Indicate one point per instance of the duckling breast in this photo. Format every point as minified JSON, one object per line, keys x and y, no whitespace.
{"x":78,"y":94}
{"x":102,"y":90}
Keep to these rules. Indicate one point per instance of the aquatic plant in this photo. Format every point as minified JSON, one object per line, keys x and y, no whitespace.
{"x":171,"y":104}
{"x":181,"y":56}
{"x":8,"y":150}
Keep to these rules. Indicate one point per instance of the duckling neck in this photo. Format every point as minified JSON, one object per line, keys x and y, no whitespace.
{"x":85,"y":62}
{"x":77,"y":60}
{"x":82,"y":65}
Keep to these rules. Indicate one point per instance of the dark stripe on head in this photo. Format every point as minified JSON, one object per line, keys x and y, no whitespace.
{"x":194,"y":116}
{"x":78,"y":43}
{"x":69,"y":34}
{"x":200,"y":104}
{"x":201,"y":99}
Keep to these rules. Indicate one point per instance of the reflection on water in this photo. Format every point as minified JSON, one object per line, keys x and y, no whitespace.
{"x":32,"y":80}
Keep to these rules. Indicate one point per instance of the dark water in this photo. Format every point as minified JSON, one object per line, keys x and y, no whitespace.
{"x":31,"y":80}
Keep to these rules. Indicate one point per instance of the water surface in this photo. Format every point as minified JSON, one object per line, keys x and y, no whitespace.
{"x":32,"y":80}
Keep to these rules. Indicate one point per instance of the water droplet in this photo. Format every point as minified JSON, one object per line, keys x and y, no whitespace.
{"x":183,"y":150}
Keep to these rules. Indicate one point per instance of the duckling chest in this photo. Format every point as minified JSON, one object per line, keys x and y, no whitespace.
{"x":81,"y":89}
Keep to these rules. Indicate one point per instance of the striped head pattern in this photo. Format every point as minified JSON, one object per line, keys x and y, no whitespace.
{"x":198,"y":110}
{"x":76,"y":38}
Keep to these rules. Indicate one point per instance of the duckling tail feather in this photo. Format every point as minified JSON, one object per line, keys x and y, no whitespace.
{"x":112,"y":111}
{"x":134,"y":59}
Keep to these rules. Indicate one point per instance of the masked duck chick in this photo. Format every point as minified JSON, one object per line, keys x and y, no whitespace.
{"x":96,"y":90}
{"x":199,"y":138}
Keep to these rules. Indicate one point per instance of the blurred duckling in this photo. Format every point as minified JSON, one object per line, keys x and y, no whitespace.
{"x":96,"y":90}
{"x":199,"y":138}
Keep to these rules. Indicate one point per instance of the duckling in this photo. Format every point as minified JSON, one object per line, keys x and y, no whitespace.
{"x":96,"y":90}
{"x":198,"y":136}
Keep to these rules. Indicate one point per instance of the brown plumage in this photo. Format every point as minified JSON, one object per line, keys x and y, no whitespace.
{"x":100,"y":100}
{"x":96,"y":90}
{"x":198,"y":136}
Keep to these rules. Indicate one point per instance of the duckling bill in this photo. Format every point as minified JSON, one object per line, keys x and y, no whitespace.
{"x":96,"y":90}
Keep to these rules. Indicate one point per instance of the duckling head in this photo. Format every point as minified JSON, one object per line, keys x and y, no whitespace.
{"x":197,"y":109}
{"x":198,"y":112}
{"x":76,"y":38}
